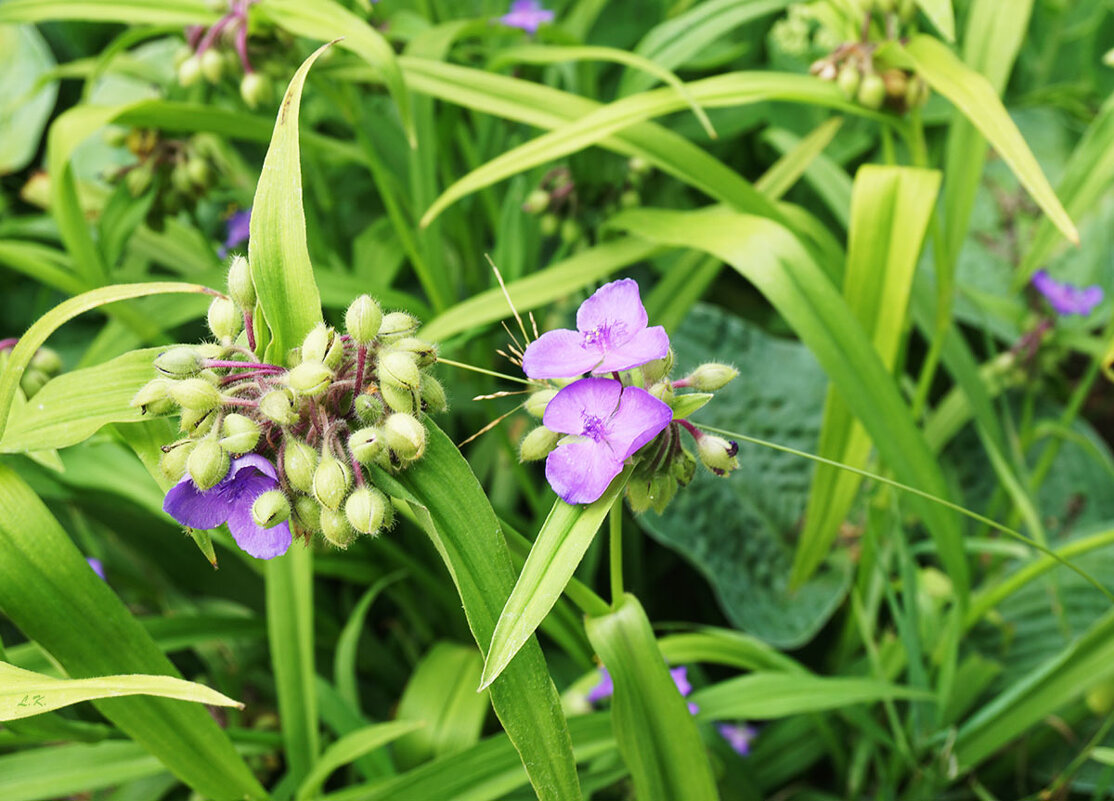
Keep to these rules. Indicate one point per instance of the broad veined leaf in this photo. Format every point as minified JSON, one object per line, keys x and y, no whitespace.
{"x":656,"y":733}
{"x":24,"y":109}
{"x":23,"y":693}
{"x":762,"y":696}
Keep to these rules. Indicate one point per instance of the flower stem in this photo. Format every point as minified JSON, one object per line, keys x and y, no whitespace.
{"x":689,"y":427}
{"x":234,"y":365}
{"x":615,"y":526}
{"x":249,"y":328}
{"x":361,"y":357}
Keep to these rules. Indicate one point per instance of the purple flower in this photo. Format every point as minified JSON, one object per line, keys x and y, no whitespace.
{"x":610,"y":422}
{"x":97,"y":565}
{"x":738,"y":735}
{"x":239,"y":225}
{"x":527,"y":15}
{"x":606,"y":688}
{"x":1067,"y":298}
{"x":611,"y":336}
{"x":230,"y":502}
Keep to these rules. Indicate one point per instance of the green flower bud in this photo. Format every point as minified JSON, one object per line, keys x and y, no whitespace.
{"x":399,"y":399}
{"x":548,"y":224}
{"x":270,"y":508}
{"x":638,"y":494}
{"x":366,"y":509}
{"x":299,"y":462}
{"x":331,"y":481}
{"x":225,"y":320}
{"x":154,"y":398}
{"x":256,"y":89}
{"x":32,"y":381}
{"x":570,"y":231}
{"x":397,"y":325}
{"x":240,"y":286}
{"x":196,"y":423}
{"x":424,"y":353}
{"x":711,"y":377}
{"x":369,"y":408}
{"x":848,"y":80}
{"x":366,"y":445}
{"x":432,"y":395}
{"x":173,"y":461}
{"x":662,"y":490}
{"x":363,"y":319}
{"x":336,"y":529}
{"x":196,"y":394}
{"x":47,"y":360}
{"x":309,"y":378}
{"x":278,"y":407}
{"x":537,"y":444}
{"x":307,"y":513}
{"x":317,"y":343}
{"x":181,"y":54}
{"x":536,"y":403}
{"x":658,"y":369}
{"x":200,"y":172}
{"x":240,"y":434}
{"x":180,"y":179}
{"x":405,"y":436}
{"x":207,"y":464}
{"x":872,"y":91}
{"x":663,"y":391}
{"x":896,"y":82}
{"x":212,"y":65}
{"x":180,"y":362}
{"x":536,"y":202}
{"x":683,"y":467}
{"x":138,"y":179}
{"x":398,"y":369}
{"x":189,"y":71}
{"x":630,"y":199}
{"x":916,"y":95}
{"x":717,"y":454}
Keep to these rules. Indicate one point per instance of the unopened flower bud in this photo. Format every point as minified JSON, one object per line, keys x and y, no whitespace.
{"x":180,"y":362}
{"x":317,"y":343}
{"x":537,"y":444}
{"x":663,"y":391}
{"x":658,"y":369}
{"x":366,"y":444}
{"x":366,"y":509}
{"x":536,"y":202}
{"x":32,"y":381}
{"x":536,"y":403}
{"x":154,"y":398}
{"x":270,"y":508}
{"x":331,"y":481}
{"x":432,"y":395}
{"x":189,"y":71}
{"x":278,"y":407}
{"x":828,"y":71}
{"x":369,"y":408}
{"x":363,"y":319}
{"x":872,"y":91}
{"x":397,"y":325}
{"x":225,"y":320}
{"x":47,"y":360}
{"x":711,"y":377}
{"x":240,"y":433}
{"x":398,"y":369}
{"x":916,"y":95}
{"x":683,"y":467}
{"x":896,"y":82}
{"x":424,"y":353}
{"x":638,"y":165}
{"x":240,"y":286}
{"x":306,"y":513}
{"x":200,"y":171}
{"x":570,"y":231}
{"x":399,"y":399}
{"x":212,"y":65}
{"x":336,"y":528}
{"x":299,"y":462}
{"x":173,"y":461}
{"x":207,"y":464}
{"x":405,"y":436}
{"x":548,"y":224}
{"x":717,"y":454}
{"x":309,"y":378}
{"x":196,"y":423}
{"x":256,"y":89}
{"x":629,"y":199}
{"x":138,"y":179}
{"x":196,"y":394}
{"x":848,"y":80}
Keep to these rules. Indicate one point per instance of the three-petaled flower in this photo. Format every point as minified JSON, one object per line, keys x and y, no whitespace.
{"x":608,"y":422}
{"x":738,"y":735}
{"x":527,"y":15}
{"x":239,"y":228}
{"x":1067,"y":298}
{"x":606,"y":687}
{"x":230,"y":502}
{"x":611,"y":336}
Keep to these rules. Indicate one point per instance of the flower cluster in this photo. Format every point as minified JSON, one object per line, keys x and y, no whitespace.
{"x":45,"y":365}
{"x":222,"y":49}
{"x":275,"y":451}
{"x":609,"y":420}
{"x":528,"y":15}
{"x":1065,"y":298}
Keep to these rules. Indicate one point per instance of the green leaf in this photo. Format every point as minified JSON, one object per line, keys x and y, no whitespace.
{"x":725,"y":647}
{"x":74,"y":406}
{"x":657,"y":735}
{"x":131,"y":12}
{"x":452,"y":509}
{"x":49,"y":592}
{"x":23,"y":693}
{"x":280,"y":267}
{"x":768,"y":256}
{"x":891,"y":208}
{"x":975,"y":96}
{"x":330,"y":21}
{"x":62,"y":771}
{"x":565,"y":535}
{"x":764,"y":696}
{"x":349,"y":748}
{"x":344,"y":660}
{"x":23,"y":109}
{"x":942,"y":16}
{"x":37,"y":334}
{"x":686,"y":405}
{"x":787,"y":170}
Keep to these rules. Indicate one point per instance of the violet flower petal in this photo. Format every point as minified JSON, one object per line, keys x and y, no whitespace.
{"x":681,"y":679}
{"x":645,"y":346}
{"x":97,"y":565}
{"x":559,"y":354}
{"x":639,"y":418}
{"x":256,"y":461}
{"x":527,"y":15}
{"x":262,"y":543}
{"x":194,"y":508}
{"x":615,"y":308}
{"x":580,"y":471}
{"x":738,"y":736}
{"x":1065,"y":298}
{"x":604,"y":689}
{"x":566,"y":413}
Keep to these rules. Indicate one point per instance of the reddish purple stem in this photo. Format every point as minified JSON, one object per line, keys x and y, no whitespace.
{"x":9,"y":343}
{"x":249,"y":327}
{"x":361,"y":356}
{"x":689,"y":427}
{"x":261,"y":366}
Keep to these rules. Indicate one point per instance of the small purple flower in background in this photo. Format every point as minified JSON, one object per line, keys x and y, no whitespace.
{"x":230,"y":502}
{"x":1067,"y":298}
{"x":610,"y":422}
{"x":738,"y":735}
{"x":611,"y":336}
{"x":97,"y":566}
{"x":527,"y":15}
{"x":606,"y":688}
{"x":239,"y":225}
